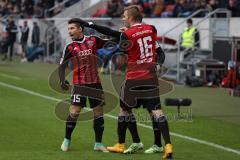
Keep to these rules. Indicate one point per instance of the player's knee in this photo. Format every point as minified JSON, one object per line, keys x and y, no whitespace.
{"x":158,"y":116}
{"x":98,"y":111}
{"x":157,"y":113}
{"x":75,"y":111}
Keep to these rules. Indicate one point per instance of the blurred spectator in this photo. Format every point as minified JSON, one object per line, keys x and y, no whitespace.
{"x":34,"y":52}
{"x":212,"y":5}
{"x":234,"y":6}
{"x":38,"y":10}
{"x":140,"y":4}
{"x":182,"y":9}
{"x":28,"y":7}
{"x":24,"y":37}
{"x":158,"y":8}
{"x":3,"y":42}
{"x":115,"y":8}
{"x":106,"y":54}
{"x":146,"y":6}
{"x":201,"y":4}
{"x":167,"y":2}
{"x":127,"y":2}
{"x":190,"y":37}
{"x":149,"y":8}
{"x":59,"y":8}
{"x":172,"y":8}
{"x":35,"y":34}
{"x":168,"y":11}
{"x":49,"y":5}
{"x":12,"y":30}
{"x":32,"y":8}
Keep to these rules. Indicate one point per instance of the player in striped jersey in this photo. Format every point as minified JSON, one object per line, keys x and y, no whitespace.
{"x":87,"y":85}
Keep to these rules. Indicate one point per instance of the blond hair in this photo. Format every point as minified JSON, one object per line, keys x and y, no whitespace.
{"x":134,"y":11}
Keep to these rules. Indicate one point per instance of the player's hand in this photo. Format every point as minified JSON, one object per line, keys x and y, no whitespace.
{"x":65,"y":85}
{"x":84,"y":23}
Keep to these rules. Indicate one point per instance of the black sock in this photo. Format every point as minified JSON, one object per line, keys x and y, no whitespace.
{"x":132,"y":126}
{"x":98,"y":125}
{"x":122,"y":128}
{"x":163,"y":126}
{"x":157,"y":133}
{"x":70,"y":125}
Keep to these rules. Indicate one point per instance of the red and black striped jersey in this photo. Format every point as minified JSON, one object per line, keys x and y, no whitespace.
{"x":83,"y":55}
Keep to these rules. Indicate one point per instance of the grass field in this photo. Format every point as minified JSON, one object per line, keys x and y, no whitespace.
{"x":30,"y":130}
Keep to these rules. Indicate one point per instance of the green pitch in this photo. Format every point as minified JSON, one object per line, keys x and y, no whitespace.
{"x":30,"y":130}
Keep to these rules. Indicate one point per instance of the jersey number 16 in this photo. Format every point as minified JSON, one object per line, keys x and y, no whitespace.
{"x":146,"y":49}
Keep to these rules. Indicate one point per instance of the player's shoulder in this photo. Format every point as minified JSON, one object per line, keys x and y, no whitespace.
{"x":149,"y":26}
{"x":68,"y":46}
{"x":144,"y":26}
{"x":93,"y":38}
{"x":129,"y":31}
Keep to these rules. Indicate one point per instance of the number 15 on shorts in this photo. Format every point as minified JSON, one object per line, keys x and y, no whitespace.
{"x":76,"y":98}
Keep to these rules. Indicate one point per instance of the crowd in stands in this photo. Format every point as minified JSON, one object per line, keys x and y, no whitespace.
{"x":169,"y":8}
{"x":114,"y":8}
{"x":33,"y":8}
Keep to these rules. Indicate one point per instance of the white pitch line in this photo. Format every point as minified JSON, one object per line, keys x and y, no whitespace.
{"x":214,"y":145}
{"x":10,"y":76}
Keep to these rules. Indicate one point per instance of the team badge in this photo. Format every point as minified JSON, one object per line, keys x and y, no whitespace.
{"x":90,"y":43}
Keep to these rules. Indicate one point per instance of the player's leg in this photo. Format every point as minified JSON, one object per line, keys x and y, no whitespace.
{"x":126,"y":119}
{"x":132,"y":126}
{"x":70,"y":125}
{"x":157,"y":147}
{"x":98,"y":126}
{"x":122,"y":124}
{"x":126,"y":113}
{"x":96,"y":101}
{"x":162,"y":125}
{"x":121,"y":131}
{"x":77,"y":103}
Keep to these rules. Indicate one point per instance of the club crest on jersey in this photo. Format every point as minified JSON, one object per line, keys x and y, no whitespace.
{"x":90,"y":43}
{"x":76,"y":49}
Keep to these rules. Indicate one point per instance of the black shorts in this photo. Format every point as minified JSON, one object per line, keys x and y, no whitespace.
{"x":93,"y":92}
{"x":135,"y":93}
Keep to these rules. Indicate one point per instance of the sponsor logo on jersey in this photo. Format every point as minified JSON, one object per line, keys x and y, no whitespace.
{"x":141,"y":33}
{"x":85,"y":52}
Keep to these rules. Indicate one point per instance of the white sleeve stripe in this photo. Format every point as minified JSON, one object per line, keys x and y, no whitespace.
{"x":63,"y":54}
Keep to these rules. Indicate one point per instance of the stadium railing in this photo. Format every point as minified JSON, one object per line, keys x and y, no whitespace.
{"x":212,"y":31}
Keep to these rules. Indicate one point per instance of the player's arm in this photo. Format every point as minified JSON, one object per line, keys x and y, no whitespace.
{"x":102,"y":29}
{"x":160,"y":55}
{"x":62,"y":67}
{"x":101,"y":42}
{"x":105,"y":30}
{"x":124,"y":38}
